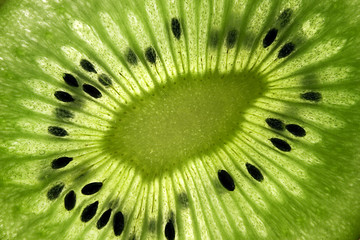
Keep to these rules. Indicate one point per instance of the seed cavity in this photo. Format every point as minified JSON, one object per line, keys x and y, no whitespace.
{"x":311,"y":96}
{"x":226,"y":180}
{"x":63,"y":96}
{"x":89,"y":211}
{"x":296,"y":130}
{"x":70,"y":80}
{"x":254,"y":172}
{"x":176,"y":28}
{"x":91,"y":188}
{"x":183,"y":200}
{"x":118,"y":223}
{"x":57,"y":131}
{"x":284,"y":17}
{"x":280,"y":144}
{"x":169,"y":230}
{"x":131,"y":57}
{"x":92,"y":91}
{"x":55,"y":191}
{"x":275,"y":123}
{"x":70,"y":200}
{"x":150,"y":55}
{"x":270,"y":37}
{"x":104,"y":80}
{"x":104,"y":219}
{"x":61,"y":162}
{"x":63,"y":113}
{"x":286,"y":50}
{"x":87,"y":66}
{"x":214,"y":38}
{"x":231,"y":38}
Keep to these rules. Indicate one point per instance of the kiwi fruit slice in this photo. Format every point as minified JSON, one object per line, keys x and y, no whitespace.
{"x":154,"y":119}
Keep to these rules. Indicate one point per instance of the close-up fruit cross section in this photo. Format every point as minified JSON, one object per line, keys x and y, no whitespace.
{"x":179,"y":119}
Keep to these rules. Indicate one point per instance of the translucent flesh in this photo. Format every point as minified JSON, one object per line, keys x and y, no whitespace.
{"x":310,"y":192}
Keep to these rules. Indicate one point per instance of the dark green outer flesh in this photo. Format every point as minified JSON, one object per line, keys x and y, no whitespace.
{"x":327,"y":208}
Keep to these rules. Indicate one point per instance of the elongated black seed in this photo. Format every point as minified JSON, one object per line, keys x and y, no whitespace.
{"x":275,"y":123}
{"x":296,"y":130}
{"x":176,"y":28}
{"x":213,"y":38}
{"x":270,"y":37}
{"x":104,"y":219}
{"x":70,"y":80}
{"x":91,"y":188}
{"x":226,"y":180}
{"x":254,"y":172}
{"x":89,"y":211}
{"x":63,"y":113}
{"x":70,"y":200}
{"x":150,"y":55}
{"x":63,"y":96}
{"x":87,"y":66}
{"x":57,"y":131}
{"x":105,"y":80}
{"x":169,"y":230}
{"x":61,"y":162}
{"x":284,"y":17}
{"x":92,"y":91}
{"x":118,"y":223}
{"x":131,"y":57}
{"x":281,"y":144}
{"x":311,"y":96}
{"x":286,"y":50}
{"x":55,"y":191}
{"x":231,"y":38}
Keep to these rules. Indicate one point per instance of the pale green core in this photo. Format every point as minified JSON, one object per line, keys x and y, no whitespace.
{"x":188,"y":117}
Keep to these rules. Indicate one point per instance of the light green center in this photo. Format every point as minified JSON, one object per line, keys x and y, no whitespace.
{"x":187,"y":117}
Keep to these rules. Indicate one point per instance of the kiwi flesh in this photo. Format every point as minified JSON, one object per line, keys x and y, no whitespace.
{"x":179,"y":119}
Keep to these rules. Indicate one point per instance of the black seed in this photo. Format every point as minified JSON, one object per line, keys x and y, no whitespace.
{"x":170,"y":230}
{"x":131,"y":57}
{"x":57,"y":131}
{"x":118,"y":223}
{"x":286,"y":50}
{"x":70,"y":80}
{"x":280,"y":144}
{"x":104,"y":219}
{"x":254,"y":172}
{"x":63,"y":96}
{"x":61,"y":162}
{"x":231,"y":38}
{"x":70,"y":200}
{"x":175,"y":27}
{"x":62,"y":113}
{"x":150,"y":55}
{"x":275,"y":123}
{"x":270,"y":37}
{"x":91,"y":188}
{"x":55,"y":191}
{"x":89,"y":211}
{"x":104,"y":80}
{"x":311,"y":96}
{"x":296,"y":130}
{"x":88,"y":66}
{"x":92,"y":91}
{"x":214,"y":38}
{"x":226,"y":180}
{"x":284,"y":17}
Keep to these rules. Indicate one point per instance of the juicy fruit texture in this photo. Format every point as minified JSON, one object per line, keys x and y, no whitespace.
{"x":179,"y":119}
